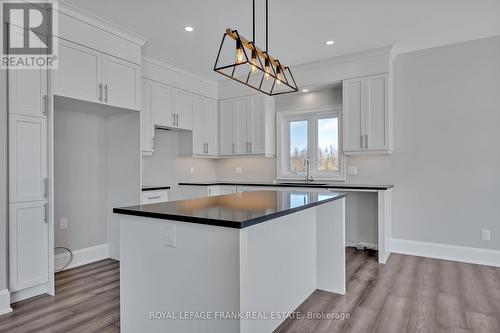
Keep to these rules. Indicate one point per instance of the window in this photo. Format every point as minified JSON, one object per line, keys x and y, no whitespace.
{"x":313,"y":136}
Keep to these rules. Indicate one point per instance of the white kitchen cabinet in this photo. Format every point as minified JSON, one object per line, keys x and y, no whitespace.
{"x":163,"y":113}
{"x":147,"y":128}
{"x":182,"y":109}
{"x":28,"y":92}
{"x":212,"y":127}
{"x":28,"y":245}
{"x":367,"y":115}
{"x":120,"y":81}
{"x":247,"y":126}
{"x":90,"y":75}
{"x":27,"y":158}
{"x":199,"y":118}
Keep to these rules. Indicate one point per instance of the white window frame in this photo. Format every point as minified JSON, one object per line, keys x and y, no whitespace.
{"x":283,"y":143}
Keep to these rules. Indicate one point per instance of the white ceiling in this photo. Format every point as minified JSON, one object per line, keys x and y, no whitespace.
{"x":298,"y":29}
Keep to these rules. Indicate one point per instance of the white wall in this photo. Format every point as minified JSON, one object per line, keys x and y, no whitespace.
{"x":80,"y":176}
{"x":165,"y":168}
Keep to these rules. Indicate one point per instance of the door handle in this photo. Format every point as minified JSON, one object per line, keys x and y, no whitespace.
{"x":366,"y":141}
{"x":100,"y":91}
{"x":45,"y":105}
{"x":106,"y":93}
{"x":46,"y":215}
{"x":45,"y":187}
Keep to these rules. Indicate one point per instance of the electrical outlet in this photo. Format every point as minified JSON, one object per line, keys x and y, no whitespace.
{"x":352,"y":170}
{"x":170,"y":236}
{"x":63,"y":223}
{"x":485,"y":235}
{"x":238,"y":171}
{"x":191,"y":172}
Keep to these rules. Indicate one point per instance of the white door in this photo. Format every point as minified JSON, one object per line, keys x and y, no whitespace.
{"x":28,"y":92}
{"x":120,"y":81}
{"x":27,"y":158}
{"x":182,"y":108}
{"x":227,"y":127}
{"x":79,"y":74}
{"x":257,"y":126}
{"x":28,"y":245}
{"x":212,"y":127}
{"x":354,"y":114}
{"x":146,"y":118}
{"x":242,"y":143}
{"x":163,"y":105}
{"x":199,"y":126}
{"x":377,"y":119}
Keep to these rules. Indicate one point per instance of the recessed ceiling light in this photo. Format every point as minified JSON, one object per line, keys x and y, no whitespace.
{"x":189,"y":29}
{"x":305,"y":90}
{"x":330,"y":42}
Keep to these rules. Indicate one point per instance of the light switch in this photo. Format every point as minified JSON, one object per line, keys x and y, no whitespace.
{"x":63,"y":223}
{"x":170,"y":236}
{"x":352,"y":170}
{"x":485,"y":235}
{"x":191,"y":172}
{"x":238,"y":171}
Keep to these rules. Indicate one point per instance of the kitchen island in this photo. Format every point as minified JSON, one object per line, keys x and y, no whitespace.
{"x":230,"y":263}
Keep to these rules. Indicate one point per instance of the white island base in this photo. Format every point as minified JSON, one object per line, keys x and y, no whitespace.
{"x":258,"y":272}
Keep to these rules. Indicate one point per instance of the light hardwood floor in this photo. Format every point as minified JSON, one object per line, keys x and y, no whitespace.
{"x":408,"y":294}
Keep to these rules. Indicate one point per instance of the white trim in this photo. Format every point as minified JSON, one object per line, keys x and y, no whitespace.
{"x":465,"y":254}
{"x":5,"y":302}
{"x":178,"y":70}
{"x":83,"y":256}
{"x":23,"y":294}
{"x":98,"y":22}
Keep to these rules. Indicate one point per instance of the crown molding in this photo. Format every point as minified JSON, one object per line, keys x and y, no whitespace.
{"x":177,"y":70}
{"x":92,"y":19}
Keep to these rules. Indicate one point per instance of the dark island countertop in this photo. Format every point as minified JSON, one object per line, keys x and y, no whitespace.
{"x":284,"y":184}
{"x":239,"y":210}
{"x":146,"y":188}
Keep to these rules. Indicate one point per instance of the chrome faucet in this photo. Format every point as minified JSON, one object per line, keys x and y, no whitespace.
{"x":307,"y":168}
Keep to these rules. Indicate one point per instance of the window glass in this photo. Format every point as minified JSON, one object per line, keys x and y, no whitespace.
{"x":328,"y":145}
{"x":298,"y":144}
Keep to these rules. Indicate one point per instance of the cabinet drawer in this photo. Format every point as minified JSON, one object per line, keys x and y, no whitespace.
{"x":149,"y":197}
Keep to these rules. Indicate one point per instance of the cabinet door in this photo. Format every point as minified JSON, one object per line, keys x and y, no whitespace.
{"x":377,"y":115}
{"x":227,"y":127}
{"x":163,"y":105}
{"x":182,"y":108}
{"x":79,"y":74}
{"x":146,"y":117}
{"x":27,"y":158}
{"x":28,"y":245}
{"x":353,"y":114}
{"x":212,"y":127}
{"x":121,"y":80}
{"x":28,"y":92}
{"x":242,"y":109}
{"x":257,"y":126}
{"x":200,"y":126}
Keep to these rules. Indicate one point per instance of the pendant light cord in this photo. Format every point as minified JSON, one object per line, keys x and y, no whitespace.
{"x":267,"y":26}
{"x":253,"y":32}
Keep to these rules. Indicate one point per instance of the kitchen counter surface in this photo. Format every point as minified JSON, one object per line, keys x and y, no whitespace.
{"x":239,"y":210}
{"x":324,"y":185}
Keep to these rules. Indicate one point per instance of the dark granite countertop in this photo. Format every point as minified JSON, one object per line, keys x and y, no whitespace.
{"x":154,"y":188}
{"x":319,"y":184}
{"x":239,"y":210}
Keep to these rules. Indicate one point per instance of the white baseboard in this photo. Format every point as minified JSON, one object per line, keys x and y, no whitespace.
{"x":83,"y":256}
{"x":465,"y":254}
{"x":5,"y":302}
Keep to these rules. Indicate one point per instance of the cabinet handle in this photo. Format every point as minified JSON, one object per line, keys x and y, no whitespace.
{"x":251,"y":148}
{"x":361,"y":143}
{"x":46,"y":215}
{"x":154,"y":198}
{"x":233,"y":148}
{"x":100,"y":91}
{"x":153,"y":143}
{"x":366,"y":141}
{"x":45,"y":105}
{"x":45,"y":187}
{"x":177,"y":120}
{"x":206,"y":148}
{"x":106,"y":93}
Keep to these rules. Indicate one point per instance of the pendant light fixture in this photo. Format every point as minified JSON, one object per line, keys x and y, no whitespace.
{"x":242,"y":61}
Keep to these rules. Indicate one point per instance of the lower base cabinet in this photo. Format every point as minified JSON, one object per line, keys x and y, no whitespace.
{"x":28,"y":246}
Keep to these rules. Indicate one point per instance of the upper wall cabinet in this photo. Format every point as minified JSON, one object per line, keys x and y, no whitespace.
{"x":205,"y":127}
{"x":90,"y":75}
{"x":247,"y":126}
{"x":147,"y":135}
{"x":367,"y":115}
{"x":162,"y":102}
{"x":182,"y":109}
{"x":28,"y":92}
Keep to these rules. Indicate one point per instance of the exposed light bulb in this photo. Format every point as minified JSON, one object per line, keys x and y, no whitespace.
{"x":240,"y":54}
{"x":279,"y":75}
{"x":254,"y":61}
{"x":266,"y":69}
